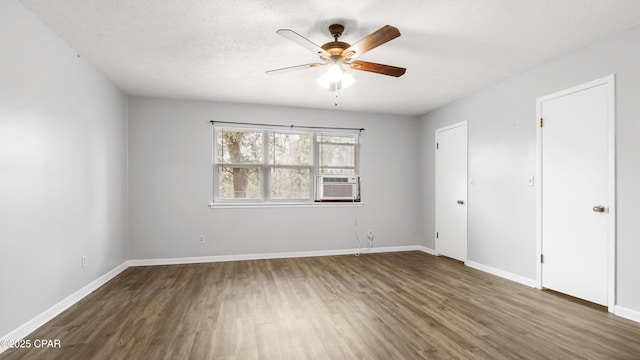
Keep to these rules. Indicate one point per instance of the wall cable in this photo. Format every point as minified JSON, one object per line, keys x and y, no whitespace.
{"x":355,"y":227}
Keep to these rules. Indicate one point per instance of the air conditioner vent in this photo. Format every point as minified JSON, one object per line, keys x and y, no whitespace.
{"x":336,"y":179}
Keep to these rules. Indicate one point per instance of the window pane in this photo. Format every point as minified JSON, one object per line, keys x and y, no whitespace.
{"x":290,"y":184}
{"x":341,"y":139}
{"x":239,"y":183}
{"x":239,"y":146}
{"x":289,"y":148}
{"x":337,"y":155}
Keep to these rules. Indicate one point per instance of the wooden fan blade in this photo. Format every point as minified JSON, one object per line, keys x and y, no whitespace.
{"x":377,"y":68}
{"x":304,"y":42}
{"x":371,"y":41}
{"x":293,"y":68}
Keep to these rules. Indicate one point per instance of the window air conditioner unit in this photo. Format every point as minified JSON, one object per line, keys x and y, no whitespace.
{"x":337,"y":188}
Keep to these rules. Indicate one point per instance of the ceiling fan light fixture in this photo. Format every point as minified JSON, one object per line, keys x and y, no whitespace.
{"x":336,"y":78}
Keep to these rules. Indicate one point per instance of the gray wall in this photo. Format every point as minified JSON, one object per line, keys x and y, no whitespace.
{"x":170,"y":181}
{"x":62,"y":169}
{"x":502,"y":147}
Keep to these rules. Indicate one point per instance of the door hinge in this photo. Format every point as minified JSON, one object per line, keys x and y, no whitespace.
{"x":437,"y":235}
{"x":541,"y":122}
{"x":541,"y":259}
{"x":437,"y":146}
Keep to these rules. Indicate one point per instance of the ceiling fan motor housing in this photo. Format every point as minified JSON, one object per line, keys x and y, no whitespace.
{"x":335,"y":48}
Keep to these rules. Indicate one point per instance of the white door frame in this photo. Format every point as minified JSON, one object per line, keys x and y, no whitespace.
{"x":466,"y":195}
{"x":611,"y":246}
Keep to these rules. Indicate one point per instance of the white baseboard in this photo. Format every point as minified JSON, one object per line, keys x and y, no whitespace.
{"x":27,"y":328}
{"x":626,"y":313}
{"x":427,"y":250}
{"x":503,"y":274}
{"x":283,"y":255}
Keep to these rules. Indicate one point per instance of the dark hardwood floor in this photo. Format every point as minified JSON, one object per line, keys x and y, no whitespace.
{"x":407,"y":305}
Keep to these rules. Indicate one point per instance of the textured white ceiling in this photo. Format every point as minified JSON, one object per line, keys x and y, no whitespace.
{"x":220,"y":50}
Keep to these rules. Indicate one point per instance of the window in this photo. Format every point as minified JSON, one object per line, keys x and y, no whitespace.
{"x":263,"y":165}
{"x":337,"y":154}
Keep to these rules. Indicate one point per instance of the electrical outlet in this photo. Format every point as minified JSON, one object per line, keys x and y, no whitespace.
{"x":84,"y":261}
{"x":370,"y":234}
{"x":201,"y":239}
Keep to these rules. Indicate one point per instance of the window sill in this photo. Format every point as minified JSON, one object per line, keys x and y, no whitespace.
{"x":284,"y":205}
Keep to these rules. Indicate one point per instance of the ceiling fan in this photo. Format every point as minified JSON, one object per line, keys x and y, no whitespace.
{"x":337,"y":53}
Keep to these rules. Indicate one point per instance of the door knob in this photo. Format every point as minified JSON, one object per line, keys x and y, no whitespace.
{"x":462,"y":202}
{"x":598,"y":208}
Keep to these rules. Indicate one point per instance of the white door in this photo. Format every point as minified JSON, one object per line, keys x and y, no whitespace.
{"x":575,"y":141}
{"x":451,"y":191}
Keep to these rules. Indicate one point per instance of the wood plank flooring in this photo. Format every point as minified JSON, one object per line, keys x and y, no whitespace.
{"x":406,"y":305}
